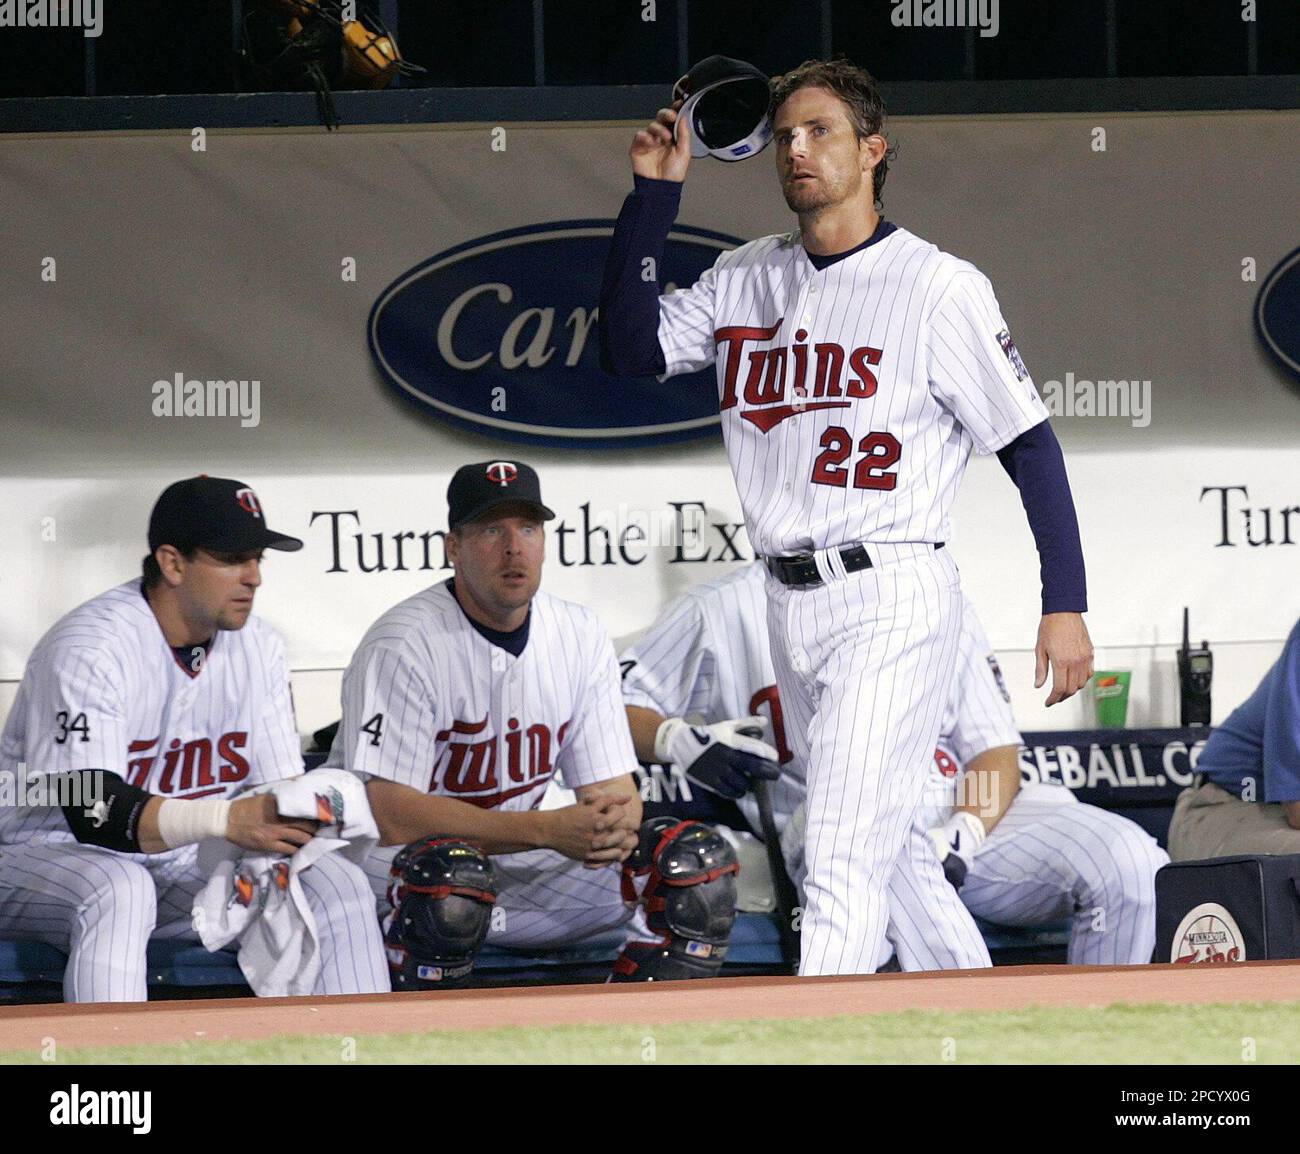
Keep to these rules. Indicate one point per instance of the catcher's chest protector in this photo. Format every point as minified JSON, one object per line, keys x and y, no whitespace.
{"x":1230,"y":909}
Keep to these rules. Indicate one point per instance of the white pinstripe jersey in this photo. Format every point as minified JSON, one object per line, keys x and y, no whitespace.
{"x":430,"y":703}
{"x":851,"y":397}
{"x":104,"y":690}
{"x":708,"y":654}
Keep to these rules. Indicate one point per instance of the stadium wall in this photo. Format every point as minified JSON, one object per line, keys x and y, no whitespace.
{"x":1132,"y":256}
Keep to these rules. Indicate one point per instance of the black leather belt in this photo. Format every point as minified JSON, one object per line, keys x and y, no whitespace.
{"x":801,"y":569}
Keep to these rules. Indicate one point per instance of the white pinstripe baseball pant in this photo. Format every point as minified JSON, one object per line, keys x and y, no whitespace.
{"x":864,"y":665}
{"x":1048,"y":860}
{"x":916,"y":888}
{"x":544,"y":900}
{"x":102,"y":908}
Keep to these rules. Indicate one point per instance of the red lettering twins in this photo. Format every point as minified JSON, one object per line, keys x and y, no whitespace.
{"x":469,"y":768}
{"x":187,"y":768}
{"x":768,"y":402}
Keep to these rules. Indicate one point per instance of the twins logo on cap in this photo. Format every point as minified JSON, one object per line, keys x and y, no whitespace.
{"x":502,"y":472}
{"x":248,"y":501}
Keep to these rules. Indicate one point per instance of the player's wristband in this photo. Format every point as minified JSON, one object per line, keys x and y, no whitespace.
{"x":963,"y":834}
{"x":184,"y":822}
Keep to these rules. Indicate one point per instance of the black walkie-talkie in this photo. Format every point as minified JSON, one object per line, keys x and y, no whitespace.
{"x":1195,"y":670}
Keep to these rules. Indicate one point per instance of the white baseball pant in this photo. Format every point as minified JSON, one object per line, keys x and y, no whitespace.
{"x":864,"y":664}
{"x":102,"y":907}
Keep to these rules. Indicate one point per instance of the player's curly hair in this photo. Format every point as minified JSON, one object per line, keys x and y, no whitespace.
{"x":856,"y":87}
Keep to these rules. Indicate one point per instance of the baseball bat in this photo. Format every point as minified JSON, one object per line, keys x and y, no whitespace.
{"x":787,"y":897}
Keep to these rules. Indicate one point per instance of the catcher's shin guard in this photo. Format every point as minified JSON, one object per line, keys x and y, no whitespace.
{"x":689,"y":898}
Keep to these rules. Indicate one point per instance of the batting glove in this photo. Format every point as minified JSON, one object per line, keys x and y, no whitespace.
{"x":955,"y":844}
{"x":723,"y":758}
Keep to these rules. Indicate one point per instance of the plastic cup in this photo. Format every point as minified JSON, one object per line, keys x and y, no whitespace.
{"x":1110,"y":697}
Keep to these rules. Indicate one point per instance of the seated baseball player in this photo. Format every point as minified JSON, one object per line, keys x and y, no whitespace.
{"x":459,"y":706}
{"x":1245,"y":798}
{"x":981,"y":843}
{"x":139,"y":715}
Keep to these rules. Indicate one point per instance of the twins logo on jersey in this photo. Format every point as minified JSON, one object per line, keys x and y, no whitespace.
{"x":467,"y":769}
{"x":187,"y":768}
{"x":766,"y":404}
{"x":765,"y":380}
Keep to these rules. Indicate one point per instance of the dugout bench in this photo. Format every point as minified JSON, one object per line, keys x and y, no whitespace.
{"x":1137,"y":773}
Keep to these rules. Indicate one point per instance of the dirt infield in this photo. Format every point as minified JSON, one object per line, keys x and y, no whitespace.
{"x":723,"y":999}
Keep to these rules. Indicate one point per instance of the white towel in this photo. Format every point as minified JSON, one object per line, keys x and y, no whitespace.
{"x":258,"y":897}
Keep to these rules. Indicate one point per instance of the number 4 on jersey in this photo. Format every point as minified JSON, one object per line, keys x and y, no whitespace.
{"x":374,"y":727}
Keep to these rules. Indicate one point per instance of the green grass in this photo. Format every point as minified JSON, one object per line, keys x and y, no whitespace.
{"x":1122,"y":1033}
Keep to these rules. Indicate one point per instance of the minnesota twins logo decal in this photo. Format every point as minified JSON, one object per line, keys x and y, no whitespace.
{"x":1208,"y":935}
{"x":248,"y":501}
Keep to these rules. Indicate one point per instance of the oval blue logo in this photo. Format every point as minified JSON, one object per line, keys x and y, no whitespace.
{"x":498,"y":335}
{"x":1277,"y":313}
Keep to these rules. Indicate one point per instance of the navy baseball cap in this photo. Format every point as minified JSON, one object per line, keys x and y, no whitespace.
{"x":725,"y":103}
{"x":484,"y":485}
{"x":213,"y":513}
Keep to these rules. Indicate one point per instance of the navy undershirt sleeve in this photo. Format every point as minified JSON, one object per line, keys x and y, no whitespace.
{"x":628,"y":328}
{"x":1035,"y":463}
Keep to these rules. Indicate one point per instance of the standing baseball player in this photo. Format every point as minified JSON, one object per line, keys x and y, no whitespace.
{"x":1020,"y":855}
{"x":857,"y":367}
{"x":162,"y":698}
{"x":460,"y":705}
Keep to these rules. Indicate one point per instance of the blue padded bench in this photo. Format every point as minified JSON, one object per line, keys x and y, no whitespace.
{"x":1004,"y":939}
{"x":755,"y":942}
{"x":180,"y":964}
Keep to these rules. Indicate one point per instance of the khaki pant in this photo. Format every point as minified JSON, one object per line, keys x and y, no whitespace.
{"x":1210,"y":822}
